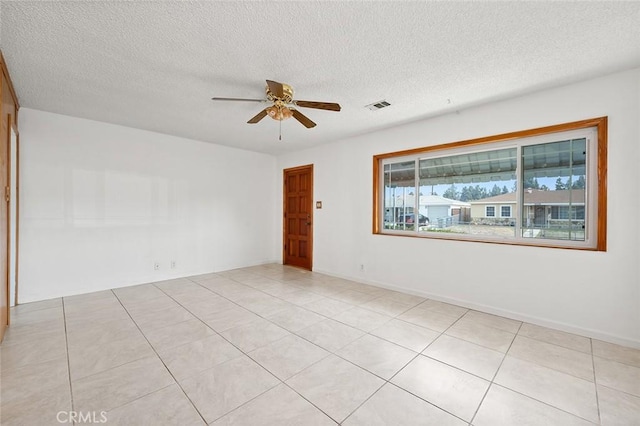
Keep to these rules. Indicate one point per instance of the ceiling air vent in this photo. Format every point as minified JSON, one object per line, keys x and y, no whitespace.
{"x":378,"y":105}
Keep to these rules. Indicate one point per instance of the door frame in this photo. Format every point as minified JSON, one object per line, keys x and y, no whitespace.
{"x":10,"y":216}
{"x":284,"y":211}
{"x":9,"y":108}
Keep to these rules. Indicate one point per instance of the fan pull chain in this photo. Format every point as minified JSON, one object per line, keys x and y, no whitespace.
{"x":280,"y":137}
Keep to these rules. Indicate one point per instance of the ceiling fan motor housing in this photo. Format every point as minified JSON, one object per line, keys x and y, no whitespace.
{"x":287,"y":96}
{"x":279,"y":111}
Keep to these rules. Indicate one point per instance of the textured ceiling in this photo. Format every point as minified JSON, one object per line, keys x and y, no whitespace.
{"x":155,"y":65}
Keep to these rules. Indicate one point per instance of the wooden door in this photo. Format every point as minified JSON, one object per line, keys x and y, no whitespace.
{"x":298,"y":217}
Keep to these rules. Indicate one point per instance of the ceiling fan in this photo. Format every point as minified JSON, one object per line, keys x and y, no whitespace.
{"x":284,"y":106}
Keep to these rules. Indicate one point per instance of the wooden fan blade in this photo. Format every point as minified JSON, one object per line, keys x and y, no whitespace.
{"x":318,"y":105}
{"x":239,"y":99}
{"x":259,"y":116}
{"x":303,"y":119}
{"x":276,"y":88}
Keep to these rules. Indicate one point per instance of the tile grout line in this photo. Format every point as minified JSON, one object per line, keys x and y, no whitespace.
{"x":66,"y":340}
{"x":550,"y":367}
{"x":555,"y":344}
{"x":595,"y":381}
{"x":619,"y":390}
{"x":388,"y":381}
{"x":346,"y":360}
{"x":284,"y":382}
{"x":366,"y":399}
{"x":161,"y":360}
{"x":225,"y":339}
{"x":203,"y":322}
{"x":311,"y":403}
{"x":545,"y":403}
{"x":491,"y":382}
{"x":442,"y":333}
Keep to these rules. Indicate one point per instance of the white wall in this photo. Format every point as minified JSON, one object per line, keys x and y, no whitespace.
{"x":592,"y":293}
{"x":100,"y":203}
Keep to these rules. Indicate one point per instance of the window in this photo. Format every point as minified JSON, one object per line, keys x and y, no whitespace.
{"x":543,"y":187}
{"x":565,"y":212}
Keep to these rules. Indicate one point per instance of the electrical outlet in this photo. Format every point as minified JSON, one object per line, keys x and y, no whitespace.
{"x":156,"y":265}
{"x":173,"y":264}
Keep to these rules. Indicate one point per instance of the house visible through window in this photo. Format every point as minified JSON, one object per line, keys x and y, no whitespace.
{"x":566,"y":213}
{"x":542,"y":187}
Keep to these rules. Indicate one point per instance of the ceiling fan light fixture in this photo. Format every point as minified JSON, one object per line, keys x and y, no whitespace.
{"x":279,"y":113}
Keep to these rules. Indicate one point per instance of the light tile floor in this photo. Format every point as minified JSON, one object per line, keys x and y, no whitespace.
{"x":273,"y":345}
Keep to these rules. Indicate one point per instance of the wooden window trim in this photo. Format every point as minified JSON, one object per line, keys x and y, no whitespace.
{"x":600,"y":123}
